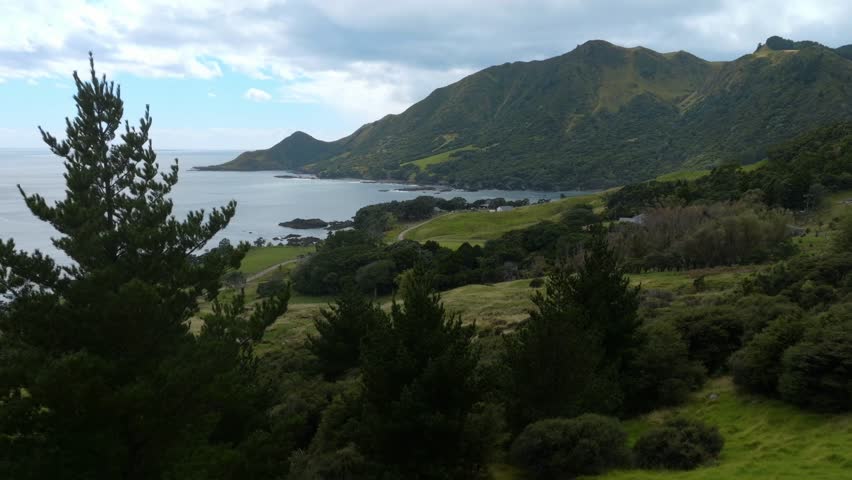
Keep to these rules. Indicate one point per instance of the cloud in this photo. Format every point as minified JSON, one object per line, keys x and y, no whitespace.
{"x":257,"y":95}
{"x":211,"y":94}
{"x":364,"y":58}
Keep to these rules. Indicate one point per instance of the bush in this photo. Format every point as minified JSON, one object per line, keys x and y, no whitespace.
{"x":271,"y":288}
{"x":817,"y":372}
{"x":536,"y":283}
{"x":560,"y":447}
{"x":660,"y":373}
{"x":345,"y":463}
{"x":757,"y":365}
{"x":712,"y":334}
{"x":679,"y":444}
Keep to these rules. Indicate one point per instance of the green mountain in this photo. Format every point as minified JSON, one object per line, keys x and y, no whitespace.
{"x":598,"y":116}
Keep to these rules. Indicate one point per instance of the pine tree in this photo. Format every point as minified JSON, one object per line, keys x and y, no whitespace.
{"x":568,"y":358}
{"x":606,"y":303}
{"x":551,"y":359}
{"x":340,"y":329}
{"x":100,"y":376}
{"x":420,"y":389}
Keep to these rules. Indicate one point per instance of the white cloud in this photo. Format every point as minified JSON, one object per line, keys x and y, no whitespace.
{"x":363,"y":58}
{"x":211,"y":94}
{"x":368,"y":90}
{"x":257,"y":95}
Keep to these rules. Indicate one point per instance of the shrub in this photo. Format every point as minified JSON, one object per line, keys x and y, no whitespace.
{"x":712,"y":334}
{"x":271,"y":288}
{"x":757,"y":365}
{"x":346,"y":462}
{"x":660,"y":373}
{"x":758,"y":311}
{"x":817,"y":372}
{"x":536,"y":283}
{"x":679,"y":444}
{"x":560,"y":447}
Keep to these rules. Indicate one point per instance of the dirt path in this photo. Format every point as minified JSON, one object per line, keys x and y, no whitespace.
{"x":268,"y":270}
{"x":402,"y":234}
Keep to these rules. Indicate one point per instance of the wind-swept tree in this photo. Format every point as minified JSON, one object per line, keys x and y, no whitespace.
{"x":100,"y":375}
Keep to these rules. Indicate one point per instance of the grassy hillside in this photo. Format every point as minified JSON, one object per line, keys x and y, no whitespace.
{"x":694,"y":174}
{"x":439,"y":157}
{"x":764,"y":439}
{"x":480,"y":226}
{"x":258,"y":259}
{"x":598,"y":116}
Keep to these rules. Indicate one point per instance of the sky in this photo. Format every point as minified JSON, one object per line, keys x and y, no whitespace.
{"x":243,"y":74}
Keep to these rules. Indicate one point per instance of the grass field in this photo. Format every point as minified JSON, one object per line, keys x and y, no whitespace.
{"x":460,"y":227}
{"x":438,"y":158}
{"x":764,"y":439}
{"x":258,"y":259}
{"x":682,"y":175}
{"x":694,"y":174}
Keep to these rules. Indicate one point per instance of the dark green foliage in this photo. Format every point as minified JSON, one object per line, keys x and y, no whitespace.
{"x":608,"y":304}
{"x":817,"y":372}
{"x":100,"y":376}
{"x":420,"y":390}
{"x":712,"y":333}
{"x":568,"y":357}
{"x":760,"y":311}
{"x":336,"y":261}
{"x":358,"y":257}
{"x":810,"y":281}
{"x":843,"y":238}
{"x":340,"y":329}
{"x":563,"y":448}
{"x":679,"y":444}
{"x":302,"y":398}
{"x":779,"y":43}
{"x":550,"y":360}
{"x":818,"y":160}
{"x":377,"y":276}
{"x":582,"y":119}
{"x":579,"y":217}
{"x":271,"y":288}
{"x":332,"y":453}
{"x":661,"y":372}
{"x":346,"y":463}
{"x":757,"y":365}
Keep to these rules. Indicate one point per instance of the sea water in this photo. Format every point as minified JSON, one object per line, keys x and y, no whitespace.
{"x":263,"y":200}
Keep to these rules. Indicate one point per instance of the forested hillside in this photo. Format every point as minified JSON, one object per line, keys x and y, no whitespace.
{"x":598,"y":116}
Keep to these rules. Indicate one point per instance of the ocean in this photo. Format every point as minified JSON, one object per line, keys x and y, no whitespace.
{"x":262,"y":199}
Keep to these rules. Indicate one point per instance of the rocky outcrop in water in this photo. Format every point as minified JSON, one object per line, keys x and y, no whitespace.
{"x":305,"y":223}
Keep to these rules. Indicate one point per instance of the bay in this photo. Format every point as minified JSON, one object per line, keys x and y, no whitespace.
{"x":263,"y":200}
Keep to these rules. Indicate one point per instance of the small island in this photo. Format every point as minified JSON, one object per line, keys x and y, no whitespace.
{"x":316,"y":223}
{"x":305,"y":223}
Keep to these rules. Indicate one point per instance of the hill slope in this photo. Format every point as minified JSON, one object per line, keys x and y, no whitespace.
{"x":598,"y":116}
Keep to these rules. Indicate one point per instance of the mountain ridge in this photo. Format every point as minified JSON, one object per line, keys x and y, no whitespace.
{"x":597,"y":116}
